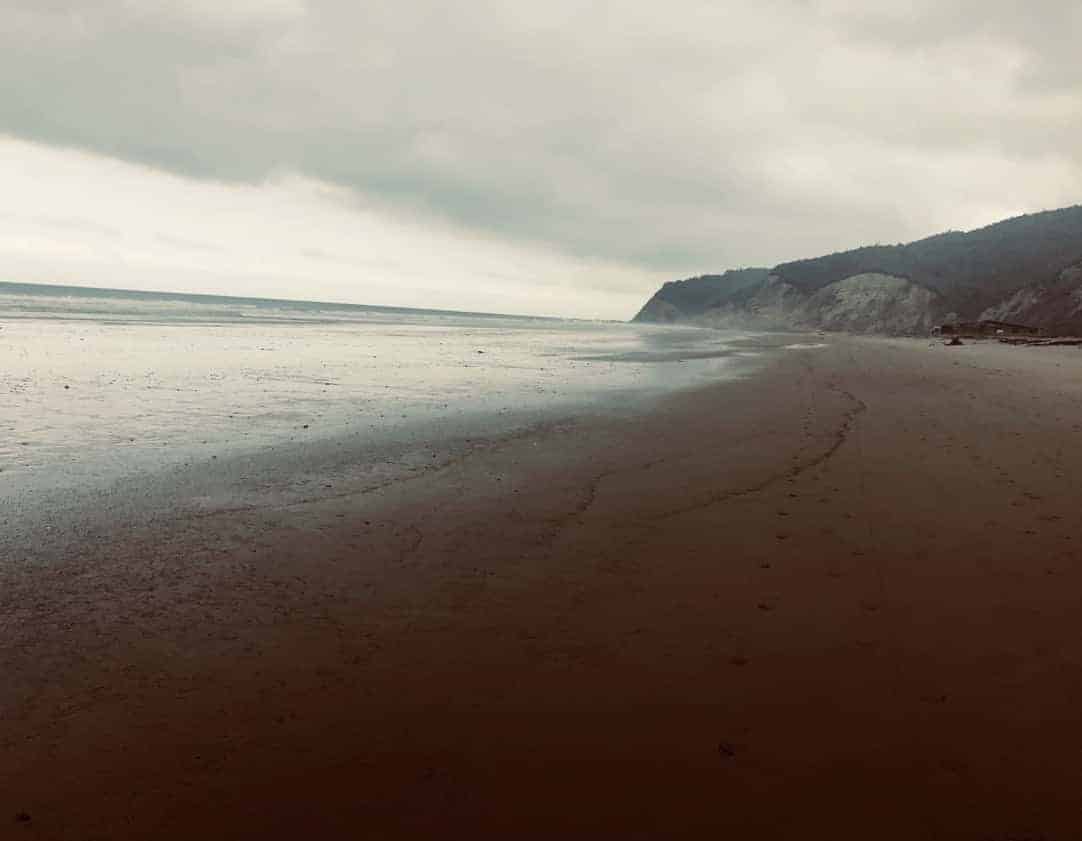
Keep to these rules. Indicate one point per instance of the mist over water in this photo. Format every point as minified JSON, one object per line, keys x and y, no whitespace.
{"x":97,"y":384}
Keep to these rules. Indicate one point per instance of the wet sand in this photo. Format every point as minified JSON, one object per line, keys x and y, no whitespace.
{"x":837,"y":599}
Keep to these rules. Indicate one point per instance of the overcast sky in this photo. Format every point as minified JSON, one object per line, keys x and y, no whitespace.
{"x":544,"y":156}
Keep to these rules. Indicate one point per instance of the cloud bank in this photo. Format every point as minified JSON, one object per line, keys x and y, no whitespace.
{"x":665,"y":139}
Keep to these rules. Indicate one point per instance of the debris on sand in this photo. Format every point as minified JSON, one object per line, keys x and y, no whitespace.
{"x":1061,"y":341}
{"x":954,"y":342}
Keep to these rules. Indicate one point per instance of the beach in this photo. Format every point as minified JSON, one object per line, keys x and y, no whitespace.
{"x":836,"y":597}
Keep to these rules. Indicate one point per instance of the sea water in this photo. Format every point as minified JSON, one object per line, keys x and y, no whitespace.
{"x":97,"y":384}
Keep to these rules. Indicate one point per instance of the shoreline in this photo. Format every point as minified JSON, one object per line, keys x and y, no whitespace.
{"x":831,"y":600}
{"x":50,"y":510}
{"x":149,"y":406}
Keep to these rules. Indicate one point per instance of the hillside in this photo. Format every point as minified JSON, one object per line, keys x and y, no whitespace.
{"x":679,"y":298}
{"x":1026,"y":269}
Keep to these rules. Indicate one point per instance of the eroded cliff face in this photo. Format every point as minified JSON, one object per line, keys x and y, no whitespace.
{"x":1027,"y":269}
{"x":1057,"y":306}
{"x":873,"y":303}
{"x":865,"y":303}
{"x":658,"y":311}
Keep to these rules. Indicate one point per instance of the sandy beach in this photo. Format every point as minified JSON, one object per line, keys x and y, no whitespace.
{"x":838,"y":599}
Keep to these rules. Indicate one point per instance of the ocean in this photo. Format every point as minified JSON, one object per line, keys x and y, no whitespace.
{"x":98,"y":385}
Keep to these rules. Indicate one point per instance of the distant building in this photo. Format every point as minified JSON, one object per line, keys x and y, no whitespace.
{"x":991,"y":329}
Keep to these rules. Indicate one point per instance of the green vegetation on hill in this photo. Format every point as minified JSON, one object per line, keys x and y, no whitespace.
{"x":697,"y":294}
{"x":970,"y":270}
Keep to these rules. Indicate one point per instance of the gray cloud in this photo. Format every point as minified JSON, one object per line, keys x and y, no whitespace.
{"x":679,"y":137}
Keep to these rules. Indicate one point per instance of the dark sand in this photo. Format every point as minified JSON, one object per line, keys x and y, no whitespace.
{"x":841,"y":599}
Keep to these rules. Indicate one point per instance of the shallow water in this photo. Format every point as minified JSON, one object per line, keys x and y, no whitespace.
{"x":97,"y":384}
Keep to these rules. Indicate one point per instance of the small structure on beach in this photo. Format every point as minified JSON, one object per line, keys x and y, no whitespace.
{"x":987,"y":328}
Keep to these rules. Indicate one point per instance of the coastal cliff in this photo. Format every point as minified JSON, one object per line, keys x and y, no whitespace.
{"x":1026,"y":269}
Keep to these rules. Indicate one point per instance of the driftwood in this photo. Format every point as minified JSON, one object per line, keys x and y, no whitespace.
{"x":1065,"y":341}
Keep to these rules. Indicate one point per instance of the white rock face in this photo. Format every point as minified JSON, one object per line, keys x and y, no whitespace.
{"x":1016,"y":307}
{"x":1073,"y":277}
{"x":875,"y":303}
{"x":1058,"y":304}
{"x":864,"y":303}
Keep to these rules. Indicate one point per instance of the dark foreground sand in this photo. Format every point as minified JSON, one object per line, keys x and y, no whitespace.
{"x":839,"y":600}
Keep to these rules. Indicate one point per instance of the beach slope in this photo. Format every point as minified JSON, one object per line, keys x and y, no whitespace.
{"x":838,"y":599}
